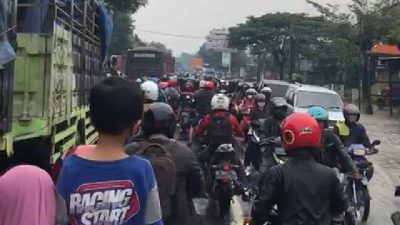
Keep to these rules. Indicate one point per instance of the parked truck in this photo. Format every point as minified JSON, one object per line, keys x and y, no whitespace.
{"x":60,"y":48}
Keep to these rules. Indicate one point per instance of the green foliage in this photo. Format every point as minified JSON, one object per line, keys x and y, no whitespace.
{"x":281,"y":35}
{"x":125,"y":6}
{"x":122,"y":38}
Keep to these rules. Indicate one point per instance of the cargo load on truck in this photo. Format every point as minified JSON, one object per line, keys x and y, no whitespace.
{"x":61,"y":49}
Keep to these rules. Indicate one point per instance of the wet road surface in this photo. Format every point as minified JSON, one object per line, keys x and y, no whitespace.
{"x":386,"y":176}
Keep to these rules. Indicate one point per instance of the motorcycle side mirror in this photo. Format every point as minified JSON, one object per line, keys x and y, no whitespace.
{"x":397,"y":192}
{"x":376,"y":142}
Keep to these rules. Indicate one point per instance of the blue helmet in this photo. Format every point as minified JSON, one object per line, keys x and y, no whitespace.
{"x":318,"y":113}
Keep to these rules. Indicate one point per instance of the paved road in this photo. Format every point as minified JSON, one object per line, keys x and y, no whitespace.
{"x":387,"y":170}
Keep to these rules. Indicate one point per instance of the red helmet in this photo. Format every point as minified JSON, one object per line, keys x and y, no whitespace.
{"x":171,"y":83}
{"x":209,"y":85}
{"x":189,"y":86}
{"x":300,"y":130}
{"x":163,"y":85}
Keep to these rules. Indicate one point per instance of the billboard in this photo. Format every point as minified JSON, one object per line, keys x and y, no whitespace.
{"x":226,"y":59}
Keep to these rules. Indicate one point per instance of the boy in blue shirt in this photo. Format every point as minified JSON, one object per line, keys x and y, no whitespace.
{"x":103,"y":185}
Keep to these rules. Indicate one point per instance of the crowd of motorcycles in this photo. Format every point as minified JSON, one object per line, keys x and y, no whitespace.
{"x":223,"y":177}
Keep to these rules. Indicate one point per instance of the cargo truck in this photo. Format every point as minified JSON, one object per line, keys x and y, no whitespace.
{"x":60,"y":49}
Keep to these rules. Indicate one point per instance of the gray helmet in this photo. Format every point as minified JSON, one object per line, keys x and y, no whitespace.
{"x":351,"y":109}
{"x":260,"y":98}
{"x":278,"y":102}
{"x":251,"y":91}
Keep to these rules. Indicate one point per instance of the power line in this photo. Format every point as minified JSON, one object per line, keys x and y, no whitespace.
{"x":171,"y":35}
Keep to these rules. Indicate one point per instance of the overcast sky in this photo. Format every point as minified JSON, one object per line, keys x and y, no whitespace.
{"x":197,"y":17}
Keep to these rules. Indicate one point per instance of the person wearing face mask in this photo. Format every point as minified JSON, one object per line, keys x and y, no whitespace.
{"x":248,"y":101}
{"x":260,"y":111}
{"x":351,"y":131}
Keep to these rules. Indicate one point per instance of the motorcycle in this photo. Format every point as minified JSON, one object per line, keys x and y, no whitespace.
{"x":224,"y":179}
{"x":395,"y":217}
{"x":270,"y":148}
{"x":356,"y":188}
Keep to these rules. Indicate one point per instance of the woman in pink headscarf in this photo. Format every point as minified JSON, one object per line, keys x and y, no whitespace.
{"x":27,"y":197}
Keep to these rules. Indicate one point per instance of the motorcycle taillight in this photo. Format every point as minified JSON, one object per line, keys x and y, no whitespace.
{"x":226,"y":167}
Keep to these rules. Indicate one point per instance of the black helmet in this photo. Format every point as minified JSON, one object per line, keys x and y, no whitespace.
{"x":159,"y":119}
{"x":278,"y":102}
{"x":279,"y":109}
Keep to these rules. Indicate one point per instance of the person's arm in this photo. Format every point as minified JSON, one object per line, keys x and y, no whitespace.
{"x":270,"y":184}
{"x":236,"y":126}
{"x":364,"y":137}
{"x":195,"y":178}
{"x":345,"y":160}
{"x":152,"y":214}
{"x":202,"y":126}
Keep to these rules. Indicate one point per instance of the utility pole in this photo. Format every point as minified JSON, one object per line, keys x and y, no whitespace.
{"x":291,"y":54}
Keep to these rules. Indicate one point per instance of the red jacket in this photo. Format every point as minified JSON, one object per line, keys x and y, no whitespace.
{"x":202,"y":128}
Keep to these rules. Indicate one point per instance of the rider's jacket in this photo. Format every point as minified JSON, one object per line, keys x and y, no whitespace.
{"x":202,"y":128}
{"x":202,"y":101}
{"x":190,"y":179}
{"x":352,"y":134}
{"x":334,"y":154}
{"x":247,"y":105}
{"x":305,"y":192}
{"x":257,"y":113}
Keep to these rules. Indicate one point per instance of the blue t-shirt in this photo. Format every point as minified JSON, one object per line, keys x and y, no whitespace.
{"x":121,"y":192}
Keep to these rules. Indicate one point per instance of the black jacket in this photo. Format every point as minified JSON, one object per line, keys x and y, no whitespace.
{"x":305,"y":192}
{"x":334,"y":153}
{"x":271,"y":128}
{"x":256,"y":113}
{"x":202,"y":101}
{"x":190,"y":182}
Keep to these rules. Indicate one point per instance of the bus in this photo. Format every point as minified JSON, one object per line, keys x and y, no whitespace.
{"x":148,"y":62}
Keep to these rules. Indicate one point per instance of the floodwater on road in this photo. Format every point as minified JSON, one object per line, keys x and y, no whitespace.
{"x":386,"y":176}
{"x":387,"y":166}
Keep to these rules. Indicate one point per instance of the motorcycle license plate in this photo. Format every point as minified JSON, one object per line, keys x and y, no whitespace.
{"x":223,"y":175}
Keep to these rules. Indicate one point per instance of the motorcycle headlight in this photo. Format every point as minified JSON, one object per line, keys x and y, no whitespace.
{"x":359,"y":152}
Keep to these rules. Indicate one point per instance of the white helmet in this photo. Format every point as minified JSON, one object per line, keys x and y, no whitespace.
{"x":150,"y":90}
{"x":220,"y":101}
{"x":202,"y":83}
{"x":266,"y":90}
{"x":251,"y":91}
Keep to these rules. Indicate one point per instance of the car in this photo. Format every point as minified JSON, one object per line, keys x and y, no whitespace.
{"x":302,"y":97}
{"x":278,"y":87}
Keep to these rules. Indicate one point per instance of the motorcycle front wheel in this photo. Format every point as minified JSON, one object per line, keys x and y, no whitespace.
{"x":367,"y":203}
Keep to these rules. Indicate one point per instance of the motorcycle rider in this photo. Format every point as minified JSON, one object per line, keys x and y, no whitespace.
{"x":201,"y":105}
{"x":267,"y":91}
{"x":172,"y":94}
{"x":351,"y":131}
{"x":221,"y":126}
{"x":248,"y":101}
{"x":150,"y":92}
{"x":260,"y":111}
{"x":304,"y":191}
{"x":159,"y":127}
{"x":333,"y":153}
{"x":271,"y":129}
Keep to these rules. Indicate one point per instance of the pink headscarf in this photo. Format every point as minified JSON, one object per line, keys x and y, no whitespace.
{"x":27,"y":197}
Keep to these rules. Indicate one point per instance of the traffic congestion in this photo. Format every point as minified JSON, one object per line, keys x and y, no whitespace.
{"x":259,"y":127}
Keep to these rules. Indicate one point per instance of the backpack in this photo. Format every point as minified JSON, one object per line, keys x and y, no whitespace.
{"x":219,"y":130}
{"x":165,"y":172}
